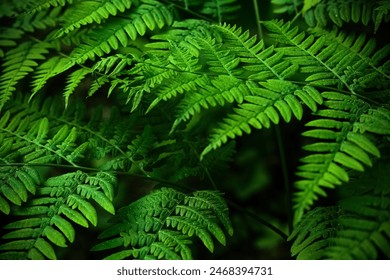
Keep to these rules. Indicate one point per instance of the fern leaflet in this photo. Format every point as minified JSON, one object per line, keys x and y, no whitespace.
{"x":18,"y":63}
{"x":62,"y":199}
{"x":356,"y":229}
{"x":161,"y":224}
{"x":87,"y":12}
{"x":345,"y":142}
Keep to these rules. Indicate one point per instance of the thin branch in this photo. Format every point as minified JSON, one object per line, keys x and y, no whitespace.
{"x":189,"y":11}
{"x":258,"y":218}
{"x":279,"y":140}
{"x":286,"y":184}
{"x":258,"y":21}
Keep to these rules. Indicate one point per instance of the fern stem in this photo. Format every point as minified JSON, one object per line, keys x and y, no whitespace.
{"x":254,"y":216}
{"x":189,"y":11}
{"x":280,"y":147}
{"x":212,"y":182}
{"x":283,"y":163}
{"x":370,"y":100}
{"x":258,"y":21}
{"x":297,"y":15}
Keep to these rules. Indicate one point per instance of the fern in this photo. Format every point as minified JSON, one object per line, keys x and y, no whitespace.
{"x":220,"y":10}
{"x":168,"y":93}
{"x":161,"y":225}
{"x":274,"y":99}
{"x":16,"y":184}
{"x":337,"y":12}
{"x":356,"y":229}
{"x":52,"y":67}
{"x":40,"y":20}
{"x":8,"y":37}
{"x":27,"y":136}
{"x":87,"y":12}
{"x":30,"y":6}
{"x":343,"y":144}
{"x":62,"y":199}
{"x":333,"y":63}
{"x":118,"y":31}
{"x":340,"y":12}
{"x":18,"y":63}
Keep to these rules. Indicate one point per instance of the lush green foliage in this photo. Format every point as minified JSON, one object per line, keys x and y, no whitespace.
{"x":130,"y":109}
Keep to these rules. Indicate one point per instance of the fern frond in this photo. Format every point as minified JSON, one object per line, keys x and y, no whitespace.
{"x":323,"y":13}
{"x":364,"y":69}
{"x":287,"y":6}
{"x":161,"y":224}
{"x":357,"y":229}
{"x":63,"y":199}
{"x":271,"y":100}
{"x":16,"y":183}
{"x":51,"y":68}
{"x":381,"y":13}
{"x":73,"y":81}
{"x":8,"y":8}
{"x":87,"y":12}
{"x":18,"y":63}
{"x":330,"y":62}
{"x":340,"y":12}
{"x":230,"y":54}
{"x":117,"y":31}
{"x":260,"y":63}
{"x":345,"y":132}
{"x":219,"y":59}
{"x":38,"y":20}
{"x":136,"y":154}
{"x":220,"y":9}
{"x":32,"y":6}
{"x":30,"y":137}
{"x":8,"y":37}
{"x":185,"y":82}
{"x":112,"y":65}
{"x":223,"y":89}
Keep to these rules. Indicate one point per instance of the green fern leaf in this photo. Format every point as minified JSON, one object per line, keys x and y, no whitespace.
{"x":118,"y":31}
{"x":54,"y":236}
{"x":73,"y":81}
{"x":18,"y":63}
{"x":16,"y":184}
{"x":45,"y":248}
{"x":224,"y":89}
{"x":52,"y":67}
{"x":169,"y":236}
{"x":340,"y":12}
{"x":267,"y":103}
{"x":73,"y":215}
{"x":4,"y":206}
{"x":381,"y":13}
{"x":342,"y":146}
{"x":38,"y":20}
{"x":328,"y":58}
{"x":220,"y":9}
{"x":354,"y":230}
{"x":164,"y":222}
{"x":87,"y":12}
{"x":63,"y":199}
{"x":64,"y":226}
{"x":30,"y":7}
{"x":8,"y":37}
{"x":185,"y":82}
